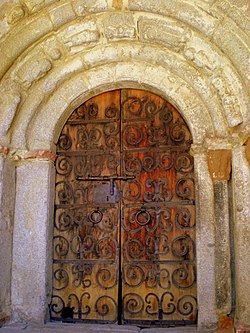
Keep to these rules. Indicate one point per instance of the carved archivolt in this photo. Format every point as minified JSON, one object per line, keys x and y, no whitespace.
{"x":52,"y":46}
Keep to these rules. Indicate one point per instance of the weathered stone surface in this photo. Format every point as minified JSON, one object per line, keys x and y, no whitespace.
{"x":205,"y":242}
{"x":219,"y":163}
{"x":195,"y":16}
{"x":120,"y":26}
{"x":7,"y":197}
{"x":31,"y":255}
{"x":170,"y":34}
{"x":80,"y":35}
{"x":235,"y":41}
{"x":24,"y":36}
{"x":222,"y":252}
{"x":193,"y":53}
{"x":9,"y":101}
{"x":33,"y":69}
{"x":229,"y":101}
{"x":83,"y":7}
{"x":61,"y":14}
{"x":35,"y":5}
{"x":241,"y":185}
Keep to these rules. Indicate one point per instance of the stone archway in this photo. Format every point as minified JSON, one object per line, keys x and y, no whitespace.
{"x":81,"y":50}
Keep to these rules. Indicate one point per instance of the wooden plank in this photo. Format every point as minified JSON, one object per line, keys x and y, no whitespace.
{"x":157,"y":284}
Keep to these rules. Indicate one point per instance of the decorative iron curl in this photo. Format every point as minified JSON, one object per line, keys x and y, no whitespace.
{"x":65,"y":195}
{"x":63,"y":165}
{"x":184,"y":162}
{"x":111,"y":111}
{"x":65,"y":221}
{"x":186,"y":305}
{"x":133,"y":165}
{"x":149,"y":163}
{"x":104,"y":278}
{"x":151,"y":108}
{"x":151,"y":278}
{"x":87,"y":307}
{"x":54,"y":306}
{"x":130,"y":105}
{"x":134,"y":248}
{"x":164,"y":276}
{"x":151,"y":304}
{"x":177,"y":133}
{"x":133,"y":303}
{"x":132,"y":194}
{"x":111,"y":131}
{"x":183,"y":187}
{"x":181,"y":246}
{"x":180,"y":278}
{"x":104,"y":309}
{"x":81,"y":166}
{"x":133,"y":135}
{"x":166,"y":114}
{"x":65,"y":141}
{"x":61,"y":276}
{"x":170,"y":306}
{"x":133,"y":275}
{"x":106,"y":248}
{"x":163,"y":217}
{"x":183,"y":219}
{"x":62,"y":247}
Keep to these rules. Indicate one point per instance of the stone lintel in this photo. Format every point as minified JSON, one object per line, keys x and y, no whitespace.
{"x":219,"y":164}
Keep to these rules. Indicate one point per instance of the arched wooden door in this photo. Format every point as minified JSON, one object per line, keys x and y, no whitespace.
{"x":124,"y":229}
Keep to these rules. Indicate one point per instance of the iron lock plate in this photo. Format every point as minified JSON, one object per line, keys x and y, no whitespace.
{"x":102,"y":194}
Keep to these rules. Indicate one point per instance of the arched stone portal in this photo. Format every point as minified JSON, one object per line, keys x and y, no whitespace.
{"x":124,"y":232}
{"x":55,"y":55}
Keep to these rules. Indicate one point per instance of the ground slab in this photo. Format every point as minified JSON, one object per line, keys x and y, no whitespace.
{"x":86,"y":328}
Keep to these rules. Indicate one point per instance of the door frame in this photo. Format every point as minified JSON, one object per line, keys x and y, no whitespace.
{"x":38,"y":171}
{"x":78,"y":121}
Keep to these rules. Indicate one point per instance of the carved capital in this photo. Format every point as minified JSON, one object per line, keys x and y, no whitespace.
{"x":219,"y":164}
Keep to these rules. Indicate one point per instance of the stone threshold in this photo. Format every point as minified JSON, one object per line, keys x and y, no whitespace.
{"x":98,"y":328}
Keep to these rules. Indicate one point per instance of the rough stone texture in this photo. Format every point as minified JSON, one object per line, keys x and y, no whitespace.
{"x":241,"y":184}
{"x":205,"y":240}
{"x":68,"y":328}
{"x":222,"y":249}
{"x":7,"y":193}
{"x":57,"y":54}
{"x":31,"y":255}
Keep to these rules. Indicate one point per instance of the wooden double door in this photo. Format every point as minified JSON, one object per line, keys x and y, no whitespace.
{"x":124,"y":226}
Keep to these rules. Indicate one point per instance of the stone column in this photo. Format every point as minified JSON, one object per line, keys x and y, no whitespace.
{"x":241,"y":191}
{"x":219,"y":163}
{"x":32,"y":238}
{"x":7,"y":194}
{"x":205,"y":240}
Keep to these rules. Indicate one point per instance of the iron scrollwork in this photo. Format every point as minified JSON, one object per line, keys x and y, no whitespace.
{"x":143,"y":144}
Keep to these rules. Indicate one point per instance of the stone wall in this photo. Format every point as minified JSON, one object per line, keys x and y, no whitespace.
{"x":57,"y":54}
